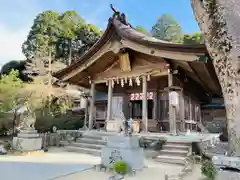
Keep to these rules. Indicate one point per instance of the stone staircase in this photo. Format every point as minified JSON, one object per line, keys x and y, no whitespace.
{"x":174,"y":153}
{"x":87,"y":144}
{"x":92,"y":143}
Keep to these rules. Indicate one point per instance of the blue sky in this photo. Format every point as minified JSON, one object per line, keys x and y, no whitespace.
{"x":16,"y":17}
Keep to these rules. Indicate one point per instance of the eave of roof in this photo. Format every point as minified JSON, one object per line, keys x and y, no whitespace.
{"x":126,"y":32}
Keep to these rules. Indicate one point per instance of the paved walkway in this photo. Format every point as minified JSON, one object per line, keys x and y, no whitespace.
{"x":60,"y":165}
{"x":153,"y":172}
{"x":44,"y":167}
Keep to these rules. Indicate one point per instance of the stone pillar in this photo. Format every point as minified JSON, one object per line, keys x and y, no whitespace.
{"x":181,"y":111}
{"x":109,"y":103}
{"x":92,"y":106}
{"x":144,"y":104}
{"x":172,"y":116}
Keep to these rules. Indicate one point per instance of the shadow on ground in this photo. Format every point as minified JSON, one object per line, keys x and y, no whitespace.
{"x":39,"y":171}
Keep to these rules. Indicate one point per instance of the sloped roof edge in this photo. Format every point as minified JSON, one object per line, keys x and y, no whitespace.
{"x":129,"y":33}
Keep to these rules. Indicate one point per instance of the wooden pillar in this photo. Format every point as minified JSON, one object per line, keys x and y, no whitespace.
{"x":191,"y":115}
{"x":144,"y":104}
{"x":109,"y":101}
{"x":154,"y":106}
{"x":181,"y":111}
{"x":92,"y":106}
{"x":172,"y":116}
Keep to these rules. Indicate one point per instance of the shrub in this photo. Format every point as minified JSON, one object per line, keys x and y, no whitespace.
{"x":208,"y":169}
{"x":120,"y":167}
{"x":7,"y":146}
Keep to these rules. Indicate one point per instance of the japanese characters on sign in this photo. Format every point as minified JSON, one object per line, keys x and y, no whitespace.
{"x":139,"y":96}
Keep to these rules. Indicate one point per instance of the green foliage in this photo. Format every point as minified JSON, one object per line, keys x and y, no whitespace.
{"x":43,"y":35}
{"x":121,"y":167}
{"x":143,"y":30}
{"x":62,"y":121}
{"x":167,"y":28}
{"x":10,"y":87}
{"x":195,"y":38}
{"x":208,"y":169}
{"x":70,"y":22}
{"x":64,"y":35}
{"x":7,"y":146}
{"x":19,"y":66}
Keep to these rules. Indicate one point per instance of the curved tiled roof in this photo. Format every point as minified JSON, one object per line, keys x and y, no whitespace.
{"x":129,"y":33}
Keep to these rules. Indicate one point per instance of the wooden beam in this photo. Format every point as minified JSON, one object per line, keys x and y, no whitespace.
{"x":213,"y":74}
{"x":153,"y":70}
{"x":199,"y":77}
{"x":192,"y":86}
{"x":161,"y":53}
{"x":106,"y":48}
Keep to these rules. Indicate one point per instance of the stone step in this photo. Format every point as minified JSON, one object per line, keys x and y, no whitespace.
{"x":168,"y":146}
{"x":174,"y":152}
{"x":171,"y":159}
{"x":87,"y":145}
{"x":149,"y":154}
{"x":95,"y":152}
{"x":64,"y":143}
{"x":91,"y":141}
{"x":178,"y":143}
{"x":92,"y":136}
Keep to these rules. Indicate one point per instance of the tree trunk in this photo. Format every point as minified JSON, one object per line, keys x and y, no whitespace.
{"x":219,"y":21}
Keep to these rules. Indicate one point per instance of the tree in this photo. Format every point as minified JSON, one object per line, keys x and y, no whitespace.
{"x":10,"y":97}
{"x":167,"y":28}
{"x":219,"y":22}
{"x":70,"y":22}
{"x":87,"y":36}
{"x":195,"y":38}
{"x":60,"y":36}
{"x":19,"y":66}
{"x":143,"y":30}
{"x":10,"y":86}
{"x":43,"y":35}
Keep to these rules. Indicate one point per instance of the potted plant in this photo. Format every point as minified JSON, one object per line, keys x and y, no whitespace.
{"x":121,"y":167}
{"x":208,"y":169}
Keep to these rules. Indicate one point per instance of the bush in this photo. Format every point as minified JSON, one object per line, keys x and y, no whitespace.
{"x":208,"y":169}
{"x":7,"y":146}
{"x":120,"y":167}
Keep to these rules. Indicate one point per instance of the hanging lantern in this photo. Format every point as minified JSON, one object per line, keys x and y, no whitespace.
{"x":130,"y":82}
{"x":148,"y":77}
{"x":138,"y":82}
{"x":122,"y":82}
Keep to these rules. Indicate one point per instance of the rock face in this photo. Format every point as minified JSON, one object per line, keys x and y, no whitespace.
{"x":219,"y":20}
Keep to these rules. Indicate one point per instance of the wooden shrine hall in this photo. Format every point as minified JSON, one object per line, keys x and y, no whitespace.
{"x":160,"y":85}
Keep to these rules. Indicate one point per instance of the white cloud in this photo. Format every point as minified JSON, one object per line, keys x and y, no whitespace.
{"x":10,"y":43}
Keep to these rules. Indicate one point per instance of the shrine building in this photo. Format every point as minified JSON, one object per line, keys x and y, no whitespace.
{"x":159,"y":84}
